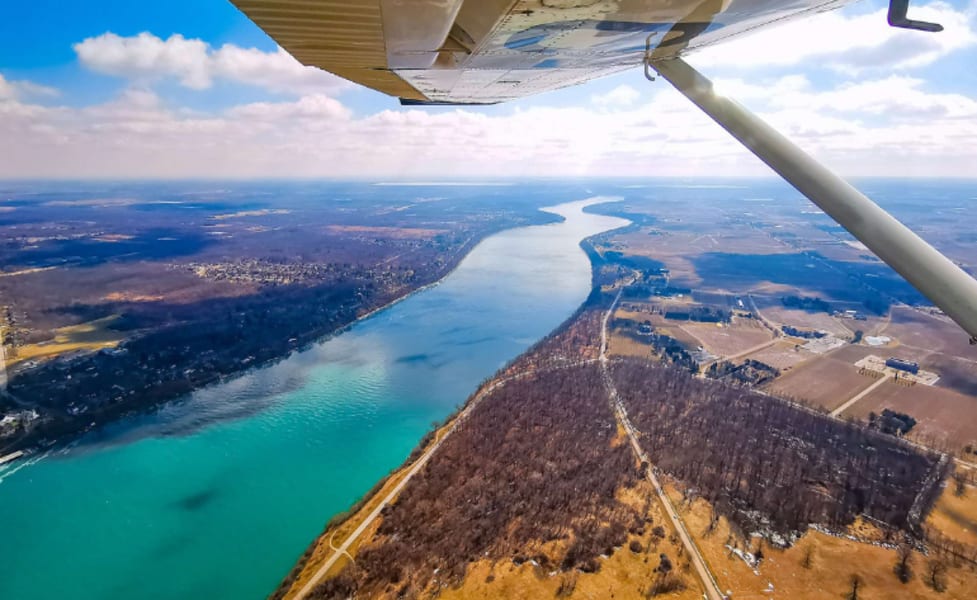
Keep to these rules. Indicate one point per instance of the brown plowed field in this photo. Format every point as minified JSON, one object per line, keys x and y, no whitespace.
{"x":825,"y":381}
{"x":941,"y":414}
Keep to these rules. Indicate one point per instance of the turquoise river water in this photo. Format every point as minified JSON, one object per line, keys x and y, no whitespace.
{"x":216,"y":496}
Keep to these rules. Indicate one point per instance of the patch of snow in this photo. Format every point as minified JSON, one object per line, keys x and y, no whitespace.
{"x":877,"y":340}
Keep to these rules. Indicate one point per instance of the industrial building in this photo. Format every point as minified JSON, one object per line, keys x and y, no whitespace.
{"x":903,"y":365}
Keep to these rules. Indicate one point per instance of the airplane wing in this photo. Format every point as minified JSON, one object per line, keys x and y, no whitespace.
{"x":488,"y":51}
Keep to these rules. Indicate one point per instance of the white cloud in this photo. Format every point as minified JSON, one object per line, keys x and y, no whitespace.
{"x":138,"y":134}
{"x":22,"y":89}
{"x":308,"y":107}
{"x":147,"y":58}
{"x":622,"y":95}
{"x":844,"y":43}
{"x":878,"y":123}
{"x":894,"y":97}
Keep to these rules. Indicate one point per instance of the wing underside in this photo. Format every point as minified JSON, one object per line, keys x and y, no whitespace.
{"x":487,"y":51}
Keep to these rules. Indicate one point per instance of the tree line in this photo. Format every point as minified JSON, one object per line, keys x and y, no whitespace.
{"x":764,"y":463}
{"x":535,"y":463}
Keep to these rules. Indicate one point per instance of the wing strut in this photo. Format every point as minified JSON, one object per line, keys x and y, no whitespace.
{"x":943,"y":282}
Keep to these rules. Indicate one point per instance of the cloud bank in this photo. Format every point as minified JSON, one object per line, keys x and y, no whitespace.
{"x":147,"y":58}
{"x":879,"y":115}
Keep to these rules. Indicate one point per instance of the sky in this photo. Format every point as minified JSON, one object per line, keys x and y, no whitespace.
{"x":193,"y":89}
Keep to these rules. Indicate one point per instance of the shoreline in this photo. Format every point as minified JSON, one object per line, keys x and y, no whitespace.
{"x":293,"y":585}
{"x":335,"y":548}
{"x":72,"y":439}
{"x":225,"y":455}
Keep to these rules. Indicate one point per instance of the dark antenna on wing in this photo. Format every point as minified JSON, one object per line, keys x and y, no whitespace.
{"x":898,"y":10}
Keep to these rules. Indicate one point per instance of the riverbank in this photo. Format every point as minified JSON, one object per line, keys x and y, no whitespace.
{"x":138,"y":388}
{"x":259,"y":463}
{"x":336,"y":546}
{"x":507,"y":507}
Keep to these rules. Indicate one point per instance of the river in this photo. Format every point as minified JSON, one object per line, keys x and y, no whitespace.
{"x":216,"y":496}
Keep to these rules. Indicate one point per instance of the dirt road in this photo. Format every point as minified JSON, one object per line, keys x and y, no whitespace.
{"x":343,"y":549}
{"x":709,"y":583}
{"x":837,"y":412}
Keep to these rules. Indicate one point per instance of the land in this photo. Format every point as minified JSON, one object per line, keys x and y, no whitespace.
{"x":117,"y":298}
{"x":521,"y":496}
{"x":804,"y":299}
{"x":716,"y":347}
{"x":708,"y":421}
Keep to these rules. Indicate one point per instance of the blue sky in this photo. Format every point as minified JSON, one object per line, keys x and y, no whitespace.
{"x":113,"y":88}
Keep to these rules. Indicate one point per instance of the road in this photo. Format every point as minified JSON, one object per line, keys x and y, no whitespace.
{"x":343,"y":549}
{"x":3,"y":360}
{"x":775,"y":328}
{"x":836,"y":413}
{"x":709,"y":583}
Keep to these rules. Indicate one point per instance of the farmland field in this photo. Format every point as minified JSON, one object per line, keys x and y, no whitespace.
{"x":809,"y":320}
{"x":913,"y":328}
{"x":826,"y":382}
{"x":782,"y":356}
{"x":944,"y":417}
{"x":737,"y":337}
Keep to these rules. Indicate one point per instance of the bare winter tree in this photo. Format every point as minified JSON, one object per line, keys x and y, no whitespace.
{"x":903,"y":568}
{"x":936,"y":574}
{"x":704,"y":433}
{"x":808,"y":558}
{"x":856,"y":583}
{"x":959,"y":484}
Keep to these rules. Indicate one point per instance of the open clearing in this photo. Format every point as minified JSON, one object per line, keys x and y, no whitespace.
{"x":827,"y":382}
{"x":808,"y":320}
{"x":729,"y":340}
{"x":623,"y":345}
{"x":833,"y":561}
{"x":92,"y":335}
{"x":824,"y":381}
{"x":917,"y":329}
{"x":781,"y":355}
{"x":956,"y":516}
{"x":943,"y":416}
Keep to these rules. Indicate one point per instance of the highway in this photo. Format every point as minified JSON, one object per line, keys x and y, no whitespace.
{"x":709,"y":583}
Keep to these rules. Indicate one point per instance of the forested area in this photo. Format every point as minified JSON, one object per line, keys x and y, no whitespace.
{"x":577,"y":339}
{"x":536,"y":462}
{"x":535,"y":472}
{"x":765,"y":463}
{"x":702,"y":314}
